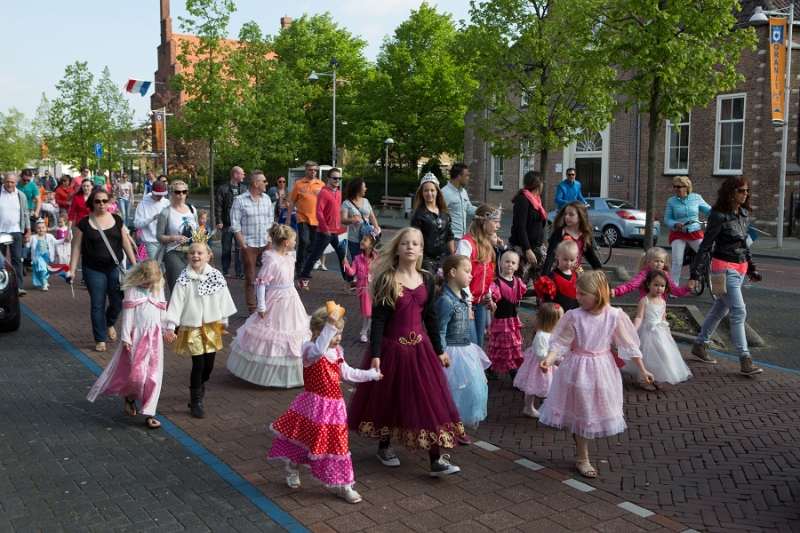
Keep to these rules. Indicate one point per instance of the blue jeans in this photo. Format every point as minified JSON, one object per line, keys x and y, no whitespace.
{"x":228,"y":242}
{"x":306,"y":238}
{"x":354,"y":250}
{"x":731,"y":302}
{"x":322,"y":242}
{"x":100,"y":286}
{"x":477,"y":327}
{"x":124,"y":210}
{"x":16,"y":255}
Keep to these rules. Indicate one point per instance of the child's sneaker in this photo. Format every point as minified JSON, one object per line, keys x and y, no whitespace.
{"x":442,"y":467}
{"x":317,"y":266}
{"x":533,"y":413}
{"x":387,"y":457}
{"x":46,"y":287}
{"x":304,"y":284}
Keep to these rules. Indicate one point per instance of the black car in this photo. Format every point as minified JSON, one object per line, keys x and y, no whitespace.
{"x":9,"y":293}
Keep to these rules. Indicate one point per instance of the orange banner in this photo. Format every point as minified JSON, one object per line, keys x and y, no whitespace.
{"x":159,"y":131}
{"x":45,"y":150}
{"x":777,"y":68}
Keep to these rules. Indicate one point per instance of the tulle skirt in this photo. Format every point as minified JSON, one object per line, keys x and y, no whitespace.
{"x":412,"y":404}
{"x":505,"y":344}
{"x":586,"y":397}
{"x":530,"y":379}
{"x":467,"y":382}
{"x":660,"y":356}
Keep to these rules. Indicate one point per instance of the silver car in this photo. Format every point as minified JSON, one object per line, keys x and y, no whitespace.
{"x":618,"y":219}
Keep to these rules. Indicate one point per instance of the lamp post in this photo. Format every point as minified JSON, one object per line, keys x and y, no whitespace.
{"x":388,"y":142}
{"x":164,"y":114}
{"x":761,"y":16}
{"x":314,"y":76}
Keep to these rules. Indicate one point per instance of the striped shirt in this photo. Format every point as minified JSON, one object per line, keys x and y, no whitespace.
{"x":252,"y":219}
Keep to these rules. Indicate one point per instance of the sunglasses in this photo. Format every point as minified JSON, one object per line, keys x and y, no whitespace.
{"x":336,"y":178}
{"x":98,"y":201}
{"x":679,"y":186}
{"x":281,"y":182}
{"x":570,"y":175}
{"x":439,"y":223}
{"x":742,"y":190}
{"x":184,"y":191}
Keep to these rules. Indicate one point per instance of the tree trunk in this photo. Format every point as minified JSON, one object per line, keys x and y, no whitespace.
{"x":652,"y":153}
{"x":543,"y":169}
{"x":211,"y":182}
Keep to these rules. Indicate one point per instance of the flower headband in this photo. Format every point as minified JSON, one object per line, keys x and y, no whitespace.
{"x":494,"y":215}
{"x":429,"y":177}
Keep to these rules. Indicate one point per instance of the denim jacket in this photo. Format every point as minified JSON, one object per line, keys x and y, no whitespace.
{"x":453,"y":311}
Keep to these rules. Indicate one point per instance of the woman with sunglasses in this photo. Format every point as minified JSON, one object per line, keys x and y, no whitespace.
{"x":682,"y":218}
{"x":280,"y":197}
{"x":431,"y":217}
{"x":726,"y":234}
{"x":174,"y":229}
{"x":358,"y":216}
{"x":100,"y":266}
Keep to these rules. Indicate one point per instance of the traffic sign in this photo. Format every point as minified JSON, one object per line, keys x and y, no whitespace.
{"x":98,"y":150}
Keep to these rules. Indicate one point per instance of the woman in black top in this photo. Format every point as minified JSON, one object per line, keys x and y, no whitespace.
{"x":432,"y":218}
{"x":527,"y":227}
{"x":100,"y":268}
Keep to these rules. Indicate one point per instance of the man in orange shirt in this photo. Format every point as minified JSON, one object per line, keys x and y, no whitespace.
{"x":304,"y":197}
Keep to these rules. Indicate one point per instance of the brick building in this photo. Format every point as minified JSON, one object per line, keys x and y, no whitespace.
{"x":733,"y":135}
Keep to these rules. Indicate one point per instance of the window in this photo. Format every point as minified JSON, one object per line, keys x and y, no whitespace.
{"x":729,"y":146}
{"x":497,"y":173}
{"x":677,"y":160}
{"x":590,"y":141}
{"x":525,"y":160}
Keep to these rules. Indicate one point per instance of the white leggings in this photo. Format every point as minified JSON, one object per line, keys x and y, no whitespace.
{"x":678,"y":249}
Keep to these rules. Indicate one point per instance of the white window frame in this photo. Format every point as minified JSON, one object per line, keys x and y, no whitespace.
{"x":493,"y":185}
{"x":718,"y":136}
{"x":668,"y":146}
{"x":525,"y":162}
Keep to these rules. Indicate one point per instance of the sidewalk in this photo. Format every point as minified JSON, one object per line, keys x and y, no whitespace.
{"x":717,"y":453}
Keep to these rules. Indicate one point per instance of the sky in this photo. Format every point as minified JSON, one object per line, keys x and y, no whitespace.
{"x":42,"y":37}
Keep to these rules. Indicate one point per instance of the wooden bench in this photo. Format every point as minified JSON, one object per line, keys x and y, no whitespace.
{"x":394,"y":203}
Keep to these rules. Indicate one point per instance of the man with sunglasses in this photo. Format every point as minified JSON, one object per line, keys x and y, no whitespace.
{"x":223,"y":201}
{"x":568,"y":190}
{"x":304,"y":197}
{"x":329,"y":207}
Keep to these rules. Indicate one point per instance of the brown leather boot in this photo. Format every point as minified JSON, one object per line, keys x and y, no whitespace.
{"x":746,"y":366}
{"x":699,"y":351}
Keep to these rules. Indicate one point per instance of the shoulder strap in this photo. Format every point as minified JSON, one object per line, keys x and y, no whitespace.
{"x":105,"y":239}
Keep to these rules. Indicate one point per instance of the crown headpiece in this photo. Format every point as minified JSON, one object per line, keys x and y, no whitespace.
{"x":494,"y":215}
{"x":200,"y":236}
{"x":429,"y":177}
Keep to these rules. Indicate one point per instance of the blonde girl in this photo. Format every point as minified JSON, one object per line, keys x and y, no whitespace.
{"x":412,"y":404}
{"x":530,"y":378}
{"x":586,"y":394}
{"x":572,"y":223}
{"x":477,"y":245}
{"x":137,"y":368}
{"x":654,"y":259}
{"x":200,"y":305}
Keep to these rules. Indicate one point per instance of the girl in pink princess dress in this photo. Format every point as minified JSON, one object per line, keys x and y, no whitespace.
{"x":137,"y":368}
{"x":360,"y":269}
{"x":267,"y":349}
{"x":586,"y":394}
{"x":313,"y":432}
{"x":530,"y":378}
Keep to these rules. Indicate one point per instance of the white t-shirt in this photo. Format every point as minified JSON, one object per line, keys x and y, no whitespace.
{"x":177,"y":222}
{"x":125,"y":190}
{"x":9,"y":212}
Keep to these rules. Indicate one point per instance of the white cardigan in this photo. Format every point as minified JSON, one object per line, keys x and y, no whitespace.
{"x":187,"y":308}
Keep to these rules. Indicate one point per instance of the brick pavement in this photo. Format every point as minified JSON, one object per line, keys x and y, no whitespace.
{"x":689,"y":441}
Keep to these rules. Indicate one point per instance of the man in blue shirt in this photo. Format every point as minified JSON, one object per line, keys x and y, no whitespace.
{"x":568,"y":190}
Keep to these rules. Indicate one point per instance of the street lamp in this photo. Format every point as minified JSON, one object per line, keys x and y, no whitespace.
{"x":388,"y":142}
{"x":761,"y":16}
{"x":164,"y":114}
{"x":314,"y":76}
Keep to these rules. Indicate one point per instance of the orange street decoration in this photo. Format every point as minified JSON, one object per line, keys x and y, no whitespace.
{"x":777,"y":68}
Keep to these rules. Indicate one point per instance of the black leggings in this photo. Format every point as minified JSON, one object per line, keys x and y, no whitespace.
{"x":433,"y":452}
{"x":202,"y":365}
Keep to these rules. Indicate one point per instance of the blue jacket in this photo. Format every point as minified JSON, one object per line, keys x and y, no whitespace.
{"x":453,"y":312}
{"x":684,"y":210}
{"x":565,"y":193}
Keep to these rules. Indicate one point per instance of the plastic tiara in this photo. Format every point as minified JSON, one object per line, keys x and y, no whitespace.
{"x":200,"y":236}
{"x":494,"y":215}
{"x":429,"y":177}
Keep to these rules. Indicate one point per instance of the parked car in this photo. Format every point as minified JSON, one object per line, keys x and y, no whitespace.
{"x":9,"y":292}
{"x":619,"y":220}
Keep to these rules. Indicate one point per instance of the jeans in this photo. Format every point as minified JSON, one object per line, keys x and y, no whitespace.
{"x":152,"y":249}
{"x":16,"y":255}
{"x":100,"y":286}
{"x":432,"y":265}
{"x":353,"y":250}
{"x":229,"y":242}
{"x":477,"y":327}
{"x":306,"y":237}
{"x":678,"y":250}
{"x":322,"y":242}
{"x":731,"y":302}
{"x":124,"y":210}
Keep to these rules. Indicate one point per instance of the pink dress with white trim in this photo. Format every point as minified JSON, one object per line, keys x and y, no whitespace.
{"x":586,"y":395}
{"x":137,"y":372}
{"x":360,"y":269}
{"x":313,"y":432}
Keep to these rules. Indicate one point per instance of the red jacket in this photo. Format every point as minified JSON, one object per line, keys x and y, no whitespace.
{"x":62,"y":197}
{"x":78,"y":209}
{"x":482,"y":273}
{"x":329,"y":207}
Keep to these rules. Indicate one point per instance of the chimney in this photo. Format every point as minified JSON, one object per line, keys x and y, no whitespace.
{"x":286,"y":21}
{"x":166,"y":23}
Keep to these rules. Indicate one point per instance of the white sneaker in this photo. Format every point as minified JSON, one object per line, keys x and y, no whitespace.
{"x":323,"y":267}
{"x":46,"y":287}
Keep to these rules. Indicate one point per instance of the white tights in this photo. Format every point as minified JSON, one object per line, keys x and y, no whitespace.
{"x":678,"y":249}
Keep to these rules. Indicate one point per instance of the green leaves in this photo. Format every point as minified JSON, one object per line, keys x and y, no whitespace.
{"x":18,"y":143}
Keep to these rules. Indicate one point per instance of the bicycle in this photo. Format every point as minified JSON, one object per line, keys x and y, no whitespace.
{"x":601,"y":245}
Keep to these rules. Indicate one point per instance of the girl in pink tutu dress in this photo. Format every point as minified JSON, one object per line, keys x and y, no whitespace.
{"x":529,"y":378}
{"x":137,"y":368}
{"x":586,"y":394}
{"x":505,"y":339}
{"x":360,"y":269}
{"x":412,"y":404}
{"x":267,"y":349}
{"x":313,"y":432}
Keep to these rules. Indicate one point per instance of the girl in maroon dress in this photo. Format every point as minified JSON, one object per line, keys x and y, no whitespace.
{"x":412,"y":403}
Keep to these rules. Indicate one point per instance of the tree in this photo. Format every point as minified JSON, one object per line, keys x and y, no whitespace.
{"x":542,"y":82}
{"x":117,"y":120}
{"x":672,"y":57}
{"x":18,"y":146}
{"x":75,"y":116}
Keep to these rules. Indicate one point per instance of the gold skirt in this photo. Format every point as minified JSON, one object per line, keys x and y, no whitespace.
{"x":197,"y":341}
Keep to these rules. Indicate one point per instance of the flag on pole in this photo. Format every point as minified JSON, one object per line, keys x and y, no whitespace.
{"x":59,"y":270}
{"x":138,"y":86}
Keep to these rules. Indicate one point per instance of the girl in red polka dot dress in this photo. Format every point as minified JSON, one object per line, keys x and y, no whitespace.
{"x":313,"y":432}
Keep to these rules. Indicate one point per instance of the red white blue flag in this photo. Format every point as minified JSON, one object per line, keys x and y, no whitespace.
{"x":138,"y":86}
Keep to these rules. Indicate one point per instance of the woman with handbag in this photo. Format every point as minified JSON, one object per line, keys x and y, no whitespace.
{"x":731,"y":263}
{"x":101,"y":238}
{"x":174,"y":229}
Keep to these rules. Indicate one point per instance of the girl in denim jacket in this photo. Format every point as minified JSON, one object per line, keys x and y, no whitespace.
{"x":465,"y":375}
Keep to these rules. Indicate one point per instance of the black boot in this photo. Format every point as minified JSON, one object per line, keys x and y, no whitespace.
{"x":202,"y":390}
{"x":196,"y":405}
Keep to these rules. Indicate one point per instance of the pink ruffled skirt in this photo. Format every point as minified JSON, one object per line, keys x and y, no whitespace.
{"x":530,"y":379}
